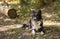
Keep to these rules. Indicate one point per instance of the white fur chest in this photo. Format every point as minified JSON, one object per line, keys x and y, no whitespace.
{"x":35,"y":24}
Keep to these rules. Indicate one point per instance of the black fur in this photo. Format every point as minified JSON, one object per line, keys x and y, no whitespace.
{"x":25,"y":25}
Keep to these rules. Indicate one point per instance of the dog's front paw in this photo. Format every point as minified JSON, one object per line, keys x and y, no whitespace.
{"x":33,"y":32}
{"x":42,"y":33}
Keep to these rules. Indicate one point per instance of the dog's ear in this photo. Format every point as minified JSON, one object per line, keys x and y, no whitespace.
{"x":32,"y":11}
{"x":39,"y":11}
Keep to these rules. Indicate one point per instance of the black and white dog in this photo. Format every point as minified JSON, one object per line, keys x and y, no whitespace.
{"x":36,"y":22}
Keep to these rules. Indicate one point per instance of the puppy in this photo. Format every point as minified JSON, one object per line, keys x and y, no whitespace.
{"x":36,"y":22}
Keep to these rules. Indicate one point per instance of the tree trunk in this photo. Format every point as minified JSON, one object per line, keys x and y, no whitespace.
{"x":10,"y":12}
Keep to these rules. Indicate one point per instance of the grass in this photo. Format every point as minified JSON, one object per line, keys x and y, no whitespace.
{"x":50,"y":33}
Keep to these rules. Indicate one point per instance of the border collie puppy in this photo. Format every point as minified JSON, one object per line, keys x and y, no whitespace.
{"x":36,"y":22}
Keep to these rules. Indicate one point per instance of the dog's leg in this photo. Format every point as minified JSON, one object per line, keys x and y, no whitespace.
{"x":33,"y":28}
{"x":41,"y":29}
{"x":25,"y":26}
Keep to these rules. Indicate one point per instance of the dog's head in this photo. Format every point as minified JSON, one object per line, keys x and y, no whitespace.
{"x":36,"y":14}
